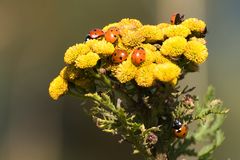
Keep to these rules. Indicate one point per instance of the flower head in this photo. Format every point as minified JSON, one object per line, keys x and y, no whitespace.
{"x":166,"y":72}
{"x":176,"y":30}
{"x":163,"y":25}
{"x":173,"y":46}
{"x":144,"y":75}
{"x":110,"y":25}
{"x":58,"y":87}
{"x":201,"y":40}
{"x":100,"y":47}
{"x":160,"y":58}
{"x":132,"y":38}
{"x":151,"y":33}
{"x":125,"y":71}
{"x":130,"y":24}
{"x":196,"y":51}
{"x":73,"y":52}
{"x":87,"y":61}
{"x":195,"y":24}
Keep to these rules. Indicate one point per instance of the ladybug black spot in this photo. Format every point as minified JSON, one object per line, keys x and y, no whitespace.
{"x":115,"y":54}
{"x":140,"y":59}
{"x":178,"y":131}
{"x":120,"y":58}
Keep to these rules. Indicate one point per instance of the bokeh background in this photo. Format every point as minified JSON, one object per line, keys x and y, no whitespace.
{"x":33,"y":38}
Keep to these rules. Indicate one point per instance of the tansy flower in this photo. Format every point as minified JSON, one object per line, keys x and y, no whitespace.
{"x":130,"y":24}
{"x":132,"y":38}
{"x":166,"y":72}
{"x":163,"y":25}
{"x":109,"y":26}
{"x":87,"y":61}
{"x":160,"y":58}
{"x":58,"y":87}
{"x":70,"y":73}
{"x":195,"y":24}
{"x":100,"y":47}
{"x":148,"y":46}
{"x":144,"y":75}
{"x":125,"y":71}
{"x":173,"y":46}
{"x":176,"y":30}
{"x":120,"y":45}
{"x":201,"y":40}
{"x":151,"y":33}
{"x":196,"y":51}
{"x":73,"y":52}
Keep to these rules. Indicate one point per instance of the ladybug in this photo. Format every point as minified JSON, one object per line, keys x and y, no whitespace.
{"x":177,"y":18}
{"x":138,"y":56}
{"x":180,"y":130}
{"x":119,"y":56}
{"x":94,"y":33}
{"x":205,"y":30}
{"x":112,"y":34}
{"x":87,"y":38}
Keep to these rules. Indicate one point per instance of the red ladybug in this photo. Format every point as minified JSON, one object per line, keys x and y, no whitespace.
{"x":180,"y":130}
{"x":119,"y":56}
{"x":95,"y":33}
{"x":138,"y":56}
{"x":112,"y":34}
{"x":177,"y":18}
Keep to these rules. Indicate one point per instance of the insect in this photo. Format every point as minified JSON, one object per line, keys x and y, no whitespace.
{"x":180,"y":130}
{"x":138,"y":56}
{"x":119,"y":56}
{"x":176,"y":18}
{"x":112,"y":34}
{"x":94,"y":33}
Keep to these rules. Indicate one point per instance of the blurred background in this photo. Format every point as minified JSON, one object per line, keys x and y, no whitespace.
{"x":33,"y":38}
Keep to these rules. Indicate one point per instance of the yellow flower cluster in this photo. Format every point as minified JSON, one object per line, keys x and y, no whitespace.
{"x":58,"y":87}
{"x":195,"y":24}
{"x":155,"y":53}
{"x":176,"y":30}
{"x":174,"y":46}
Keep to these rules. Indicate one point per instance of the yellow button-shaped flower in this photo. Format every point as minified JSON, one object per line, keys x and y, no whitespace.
{"x":166,"y":72}
{"x":87,"y":61}
{"x":196,"y":51}
{"x":73,"y":52}
{"x":144,"y":75}
{"x":173,"y":46}
{"x":58,"y":87}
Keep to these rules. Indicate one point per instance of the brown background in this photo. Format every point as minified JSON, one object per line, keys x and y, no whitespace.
{"x":33,"y":38}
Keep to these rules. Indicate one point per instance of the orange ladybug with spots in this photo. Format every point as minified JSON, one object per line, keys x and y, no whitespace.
{"x":138,"y":56}
{"x":180,"y":130}
{"x":119,"y":56}
{"x":177,"y":18}
{"x":112,"y":34}
{"x":94,"y":34}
